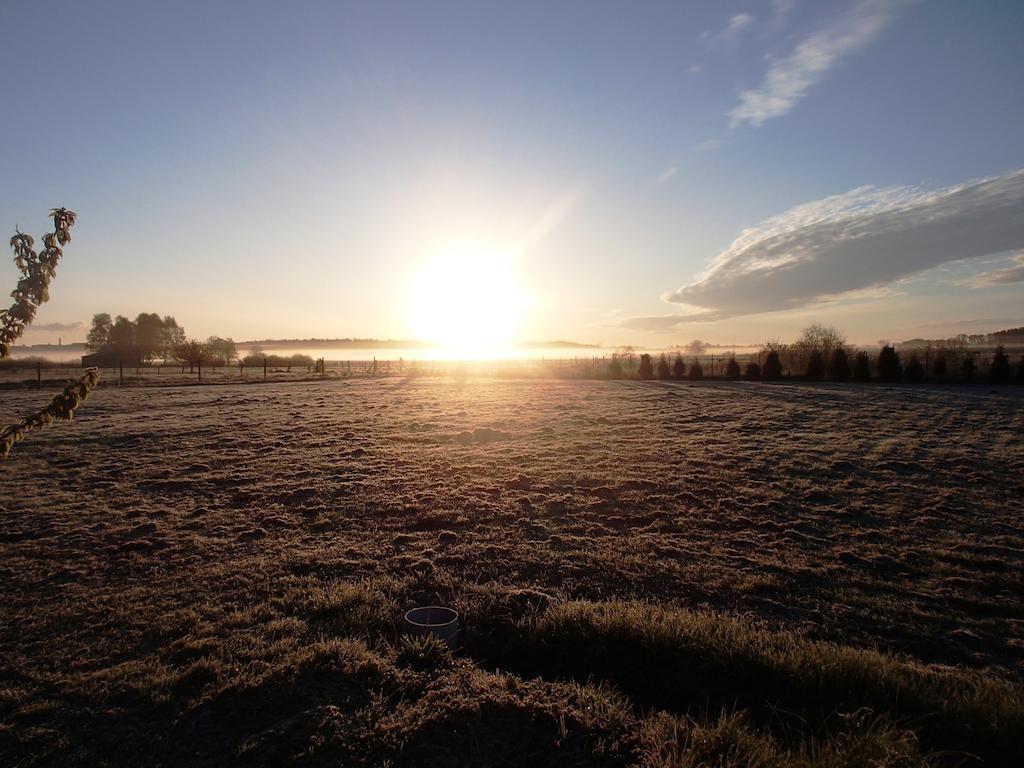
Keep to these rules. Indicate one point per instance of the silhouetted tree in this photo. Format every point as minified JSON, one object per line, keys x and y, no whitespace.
{"x":915,"y":370}
{"x":752,"y":372}
{"x":939,"y":366}
{"x":615,"y":368}
{"x":190,"y":353}
{"x":815,"y":366}
{"x":1020,"y":369}
{"x":646,"y":370}
{"x":814,"y":338}
{"x":149,"y":334}
{"x":889,"y":366}
{"x":968,"y":368}
{"x":696,"y":371}
{"x":839,"y":365}
{"x":99,"y":332}
{"x":122,"y":334}
{"x":663,"y":370}
{"x":220,"y":351}
{"x":772,"y":369}
{"x":173,"y":334}
{"x":861,"y":367}
{"x":732,"y":369}
{"x":678,"y":367}
{"x":999,"y":370}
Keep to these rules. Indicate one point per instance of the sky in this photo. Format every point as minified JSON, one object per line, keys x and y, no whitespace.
{"x":653,"y":172}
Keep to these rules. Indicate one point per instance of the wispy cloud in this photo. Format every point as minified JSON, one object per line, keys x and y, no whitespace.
{"x":667,"y":175}
{"x":789,"y":78}
{"x":998,"y":276}
{"x":557,"y":210}
{"x":56,"y":326}
{"x":738,"y":23}
{"x":708,"y":145}
{"x":842,"y":246}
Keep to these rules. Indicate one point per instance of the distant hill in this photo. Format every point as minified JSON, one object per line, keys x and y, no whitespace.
{"x":1009,"y":333}
{"x":348,"y":343}
{"x":339,"y":343}
{"x":1007,"y":336}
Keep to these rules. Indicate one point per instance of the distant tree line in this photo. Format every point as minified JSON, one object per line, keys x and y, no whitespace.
{"x":149,"y":337}
{"x":821,"y":353}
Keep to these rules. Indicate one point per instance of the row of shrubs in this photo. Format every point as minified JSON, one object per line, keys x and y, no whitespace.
{"x":887,"y":366}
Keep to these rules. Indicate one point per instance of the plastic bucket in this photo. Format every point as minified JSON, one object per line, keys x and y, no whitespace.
{"x":442,"y":623}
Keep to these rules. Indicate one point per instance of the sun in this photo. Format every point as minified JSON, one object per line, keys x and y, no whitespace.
{"x":467,"y":300}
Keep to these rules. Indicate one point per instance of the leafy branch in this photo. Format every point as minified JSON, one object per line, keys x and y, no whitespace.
{"x":60,"y":408}
{"x":37,"y":270}
{"x":33,"y":289}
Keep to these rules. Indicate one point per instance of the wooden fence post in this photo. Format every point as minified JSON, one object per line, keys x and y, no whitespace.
{"x":120,"y":372}
{"x":264,"y":366}
{"x":39,"y":375}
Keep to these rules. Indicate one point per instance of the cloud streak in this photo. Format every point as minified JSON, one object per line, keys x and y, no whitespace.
{"x":790,"y":78}
{"x":853,"y":245}
{"x":996,"y":277}
{"x":57,"y":326}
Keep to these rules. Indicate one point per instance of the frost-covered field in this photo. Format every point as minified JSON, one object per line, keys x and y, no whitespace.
{"x":885,"y":518}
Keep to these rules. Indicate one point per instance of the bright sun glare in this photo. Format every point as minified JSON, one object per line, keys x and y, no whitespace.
{"x":469,"y":301}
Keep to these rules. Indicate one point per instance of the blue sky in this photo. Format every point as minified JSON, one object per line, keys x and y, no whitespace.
{"x":280,"y":169}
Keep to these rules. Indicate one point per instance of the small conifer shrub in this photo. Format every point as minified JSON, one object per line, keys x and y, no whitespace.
{"x":772,"y":369}
{"x":889,"y":366}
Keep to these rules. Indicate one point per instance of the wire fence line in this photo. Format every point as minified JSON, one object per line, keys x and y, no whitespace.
{"x":21,"y":374}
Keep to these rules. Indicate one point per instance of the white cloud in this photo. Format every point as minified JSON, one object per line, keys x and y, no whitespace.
{"x":788,"y":79}
{"x":783,"y":7}
{"x":708,"y":145}
{"x":841,"y":246}
{"x":738,"y":23}
{"x":998,"y":276}
{"x":667,"y":175}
